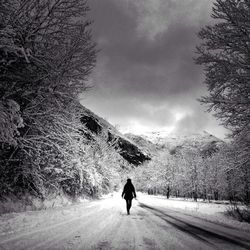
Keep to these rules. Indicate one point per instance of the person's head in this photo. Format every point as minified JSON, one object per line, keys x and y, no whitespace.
{"x":129,"y":180}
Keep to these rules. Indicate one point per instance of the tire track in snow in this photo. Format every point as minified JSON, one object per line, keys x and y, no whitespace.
{"x":208,"y":236}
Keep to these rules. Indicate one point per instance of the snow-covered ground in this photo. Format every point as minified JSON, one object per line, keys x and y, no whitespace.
{"x":213,"y":212}
{"x":154,"y":223}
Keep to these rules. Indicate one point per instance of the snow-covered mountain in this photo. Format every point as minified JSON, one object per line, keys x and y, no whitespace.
{"x":149,"y":147}
{"x":153,"y":142}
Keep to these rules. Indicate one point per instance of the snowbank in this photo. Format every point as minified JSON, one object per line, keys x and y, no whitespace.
{"x":29,"y":203}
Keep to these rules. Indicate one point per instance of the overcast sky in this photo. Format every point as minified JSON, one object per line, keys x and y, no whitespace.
{"x":145,"y":78}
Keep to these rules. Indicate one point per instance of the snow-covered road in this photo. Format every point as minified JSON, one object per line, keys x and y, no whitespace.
{"x":104,"y":224}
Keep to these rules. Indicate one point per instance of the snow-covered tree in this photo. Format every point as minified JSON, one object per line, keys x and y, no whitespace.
{"x":225,"y":54}
{"x":46,"y":55}
{"x":10,"y":121}
{"x":44,"y":45}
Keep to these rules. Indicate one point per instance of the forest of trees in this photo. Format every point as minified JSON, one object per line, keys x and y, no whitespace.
{"x":225,"y":55}
{"x":191,"y":174}
{"x":47,"y":54}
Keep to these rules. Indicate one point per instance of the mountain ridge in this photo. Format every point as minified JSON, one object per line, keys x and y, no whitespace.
{"x":154,"y":142}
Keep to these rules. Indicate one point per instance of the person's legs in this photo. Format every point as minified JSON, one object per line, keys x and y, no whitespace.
{"x":129,"y":204}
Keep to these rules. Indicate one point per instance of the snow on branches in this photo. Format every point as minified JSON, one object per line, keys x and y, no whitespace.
{"x":46,"y":55}
{"x":10,"y":121}
{"x":225,"y":54}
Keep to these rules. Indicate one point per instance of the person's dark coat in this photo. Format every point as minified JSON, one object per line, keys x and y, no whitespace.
{"x":128,"y":191}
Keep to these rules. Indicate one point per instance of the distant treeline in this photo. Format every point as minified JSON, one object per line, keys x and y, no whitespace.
{"x":190,"y":174}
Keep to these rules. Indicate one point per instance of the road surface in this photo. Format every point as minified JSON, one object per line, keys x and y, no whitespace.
{"x":104,"y":224}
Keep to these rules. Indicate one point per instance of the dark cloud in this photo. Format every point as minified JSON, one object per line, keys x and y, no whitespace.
{"x":145,"y":70}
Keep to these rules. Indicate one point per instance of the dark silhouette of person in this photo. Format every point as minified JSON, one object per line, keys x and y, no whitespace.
{"x":128,"y":194}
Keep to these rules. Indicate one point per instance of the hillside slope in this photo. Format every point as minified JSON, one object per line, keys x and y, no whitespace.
{"x":130,"y":151}
{"x":144,"y":143}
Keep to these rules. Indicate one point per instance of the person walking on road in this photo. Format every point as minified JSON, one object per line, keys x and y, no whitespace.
{"x":128,"y":194}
